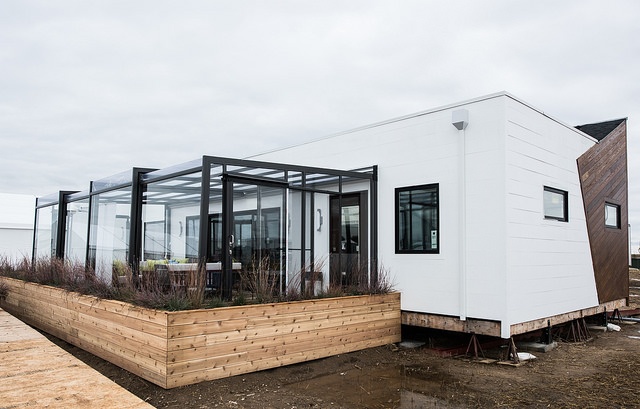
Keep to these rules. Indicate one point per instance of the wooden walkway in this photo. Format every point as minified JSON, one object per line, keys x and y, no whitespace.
{"x":34,"y":372}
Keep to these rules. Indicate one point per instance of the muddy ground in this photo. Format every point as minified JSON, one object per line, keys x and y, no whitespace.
{"x":603,"y":372}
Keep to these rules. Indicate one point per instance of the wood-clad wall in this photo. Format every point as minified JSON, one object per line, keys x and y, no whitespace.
{"x":180,"y":348}
{"x":133,"y":338}
{"x":222,"y":342}
{"x":603,"y":178}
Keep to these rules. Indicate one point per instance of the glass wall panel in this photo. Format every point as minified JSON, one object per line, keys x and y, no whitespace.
{"x":245,"y":219}
{"x":214,"y":249}
{"x":45,"y":235}
{"x":270,"y":227}
{"x":171,"y":219}
{"x":122,"y":178}
{"x":109,"y":231}
{"x":294,"y":234}
{"x":258,"y":233}
{"x":324,"y":182}
{"x":77,"y":229}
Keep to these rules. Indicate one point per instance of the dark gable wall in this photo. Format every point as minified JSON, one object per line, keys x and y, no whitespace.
{"x":603,"y":177}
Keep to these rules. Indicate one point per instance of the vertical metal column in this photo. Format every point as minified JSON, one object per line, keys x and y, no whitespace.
{"x":203,"y":231}
{"x":134,"y":252}
{"x":62,"y":224}
{"x":135,"y":227}
{"x":373,"y":220}
{"x":227,"y":237}
{"x":303,"y":227}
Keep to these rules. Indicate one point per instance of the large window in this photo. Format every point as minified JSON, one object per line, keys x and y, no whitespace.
{"x":417,"y":222}
{"x":556,"y":206}
{"x":612,"y":215}
{"x":254,"y":238}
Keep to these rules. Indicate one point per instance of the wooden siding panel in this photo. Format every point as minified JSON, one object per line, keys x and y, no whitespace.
{"x":603,"y":178}
{"x":180,"y":348}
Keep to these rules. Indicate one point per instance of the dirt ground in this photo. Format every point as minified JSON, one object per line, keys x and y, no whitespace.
{"x":601,"y":372}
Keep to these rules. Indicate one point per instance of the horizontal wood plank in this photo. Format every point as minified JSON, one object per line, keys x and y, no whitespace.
{"x":178,"y":348}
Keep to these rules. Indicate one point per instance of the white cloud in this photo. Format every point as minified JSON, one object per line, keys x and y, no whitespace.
{"x":89,"y":89}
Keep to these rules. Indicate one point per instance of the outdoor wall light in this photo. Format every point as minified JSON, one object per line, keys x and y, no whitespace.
{"x":460,"y":119}
{"x":320,"y":220}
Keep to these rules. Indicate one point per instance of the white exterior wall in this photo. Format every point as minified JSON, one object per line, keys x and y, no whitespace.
{"x":518,"y":266}
{"x":484,"y":280}
{"x":420,"y":150}
{"x":17,"y":214}
{"x":548,"y":261}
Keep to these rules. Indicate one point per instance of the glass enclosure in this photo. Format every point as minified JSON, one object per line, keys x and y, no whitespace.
{"x":77,"y":229}
{"x":170,"y":218}
{"x":109,"y":231}
{"x":46,"y":227}
{"x":228,"y":220}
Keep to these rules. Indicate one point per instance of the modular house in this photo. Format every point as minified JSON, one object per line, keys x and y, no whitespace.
{"x":492,"y":216}
{"x":489,"y":216}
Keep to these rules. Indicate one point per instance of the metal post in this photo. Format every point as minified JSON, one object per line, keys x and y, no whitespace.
{"x":227,"y":238}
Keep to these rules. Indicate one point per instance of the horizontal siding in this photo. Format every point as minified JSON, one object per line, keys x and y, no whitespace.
{"x":549,"y":262}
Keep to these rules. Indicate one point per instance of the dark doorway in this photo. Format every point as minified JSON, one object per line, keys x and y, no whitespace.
{"x":348,"y":240}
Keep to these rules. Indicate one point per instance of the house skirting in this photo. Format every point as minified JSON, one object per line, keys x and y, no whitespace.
{"x":493,"y":328}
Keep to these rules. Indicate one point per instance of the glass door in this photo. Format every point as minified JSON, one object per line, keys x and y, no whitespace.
{"x":348,"y":240}
{"x":255,"y":220}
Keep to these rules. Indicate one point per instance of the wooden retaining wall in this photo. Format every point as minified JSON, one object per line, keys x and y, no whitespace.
{"x":173,"y":349}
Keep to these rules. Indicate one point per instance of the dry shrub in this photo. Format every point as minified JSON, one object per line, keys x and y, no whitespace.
{"x":195,"y":283}
{"x":376,"y":280}
{"x":262,"y":280}
{"x":4,"y":291}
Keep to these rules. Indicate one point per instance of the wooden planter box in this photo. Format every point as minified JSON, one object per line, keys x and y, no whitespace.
{"x":173,"y":349}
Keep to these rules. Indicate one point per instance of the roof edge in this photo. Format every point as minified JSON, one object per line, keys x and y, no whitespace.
{"x":426,"y":112}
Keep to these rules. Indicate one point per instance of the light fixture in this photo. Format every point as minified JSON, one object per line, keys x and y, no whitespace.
{"x":320,"y":220}
{"x":460,"y":119}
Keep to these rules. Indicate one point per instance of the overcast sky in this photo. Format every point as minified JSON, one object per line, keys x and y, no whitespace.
{"x":90,"y":89}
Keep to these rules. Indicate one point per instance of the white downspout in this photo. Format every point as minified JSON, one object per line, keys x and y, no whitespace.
{"x":460,"y":119}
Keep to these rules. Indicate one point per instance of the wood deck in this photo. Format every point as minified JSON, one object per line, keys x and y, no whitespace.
{"x":34,"y":372}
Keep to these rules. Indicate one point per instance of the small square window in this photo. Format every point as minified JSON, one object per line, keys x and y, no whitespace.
{"x":612,"y":215}
{"x":417,"y":221}
{"x":556,"y":206}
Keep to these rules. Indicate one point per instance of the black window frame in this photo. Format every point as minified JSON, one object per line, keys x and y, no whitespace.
{"x":398,"y":192}
{"x":565,"y":209}
{"x":192,"y":232}
{"x":616,"y":206}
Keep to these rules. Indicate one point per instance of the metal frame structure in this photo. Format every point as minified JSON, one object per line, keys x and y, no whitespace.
{"x":208,"y":177}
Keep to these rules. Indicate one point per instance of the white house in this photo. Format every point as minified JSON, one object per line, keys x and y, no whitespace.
{"x":16,"y":225}
{"x":491,"y":216}
{"x":482,"y":219}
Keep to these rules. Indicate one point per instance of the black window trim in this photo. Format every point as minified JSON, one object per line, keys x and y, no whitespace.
{"x":397,"y":218}
{"x":618,"y":225}
{"x":565,"y":209}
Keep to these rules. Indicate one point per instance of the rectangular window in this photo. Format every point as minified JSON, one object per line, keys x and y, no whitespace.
{"x":612,"y":215}
{"x":556,"y":206}
{"x":417,"y":219}
{"x":193,"y":236}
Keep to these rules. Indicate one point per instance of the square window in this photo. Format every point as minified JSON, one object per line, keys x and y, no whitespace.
{"x":417,"y":220}
{"x":556,"y":206}
{"x":612,"y":215}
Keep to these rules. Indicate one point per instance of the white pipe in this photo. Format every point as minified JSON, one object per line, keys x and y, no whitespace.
{"x":463,"y":229}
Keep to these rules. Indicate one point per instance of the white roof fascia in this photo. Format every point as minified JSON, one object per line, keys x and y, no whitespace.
{"x":430,"y":111}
